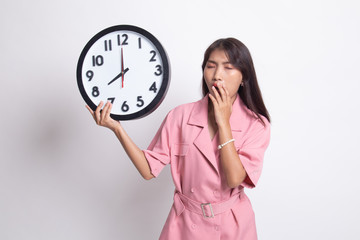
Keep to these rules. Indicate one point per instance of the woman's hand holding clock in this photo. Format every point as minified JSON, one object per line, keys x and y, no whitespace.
{"x":102,"y":117}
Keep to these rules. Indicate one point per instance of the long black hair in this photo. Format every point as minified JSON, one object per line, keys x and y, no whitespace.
{"x":239,"y":56}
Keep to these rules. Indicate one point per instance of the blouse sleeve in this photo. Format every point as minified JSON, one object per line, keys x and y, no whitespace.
{"x":158,"y":152}
{"x":252,"y":152}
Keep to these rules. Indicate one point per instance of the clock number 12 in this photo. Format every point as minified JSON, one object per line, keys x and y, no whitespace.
{"x":124,"y":42}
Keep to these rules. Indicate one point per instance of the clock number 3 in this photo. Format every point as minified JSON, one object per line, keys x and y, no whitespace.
{"x":159,"y":70}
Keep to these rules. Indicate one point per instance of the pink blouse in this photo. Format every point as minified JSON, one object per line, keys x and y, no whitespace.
{"x":183,"y":141}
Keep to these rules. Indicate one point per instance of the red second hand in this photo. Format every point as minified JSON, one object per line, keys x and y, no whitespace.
{"x":122,"y":68}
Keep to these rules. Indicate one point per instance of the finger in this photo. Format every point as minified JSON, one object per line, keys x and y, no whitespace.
{"x":222,"y":92}
{"x":225,"y":93}
{"x":97,"y":112}
{"x":104,"y":112}
{"x":216,"y":93}
{"x":109,"y":109}
{"x":213,"y":100}
{"x":90,"y":110}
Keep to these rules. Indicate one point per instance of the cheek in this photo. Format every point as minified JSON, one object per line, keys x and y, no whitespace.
{"x":233,"y":83}
{"x":207,"y":77}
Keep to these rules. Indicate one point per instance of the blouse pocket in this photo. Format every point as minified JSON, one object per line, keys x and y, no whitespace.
{"x":179,"y":151}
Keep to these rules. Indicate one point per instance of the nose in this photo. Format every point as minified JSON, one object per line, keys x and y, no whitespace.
{"x":218,"y":74}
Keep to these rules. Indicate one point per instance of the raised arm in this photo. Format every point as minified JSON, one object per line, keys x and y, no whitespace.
{"x":232,"y":166}
{"x":136,"y":155}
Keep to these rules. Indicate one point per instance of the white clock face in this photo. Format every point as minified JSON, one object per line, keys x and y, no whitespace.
{"x":124,"y":67}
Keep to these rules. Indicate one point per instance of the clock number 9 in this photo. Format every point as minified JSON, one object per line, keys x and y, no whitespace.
{"x":89,"y":74}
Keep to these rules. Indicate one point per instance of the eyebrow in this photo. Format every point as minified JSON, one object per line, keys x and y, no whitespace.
{"x":212,"y":61}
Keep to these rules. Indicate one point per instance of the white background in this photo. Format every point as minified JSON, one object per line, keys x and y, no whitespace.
{"x":62,"y":177}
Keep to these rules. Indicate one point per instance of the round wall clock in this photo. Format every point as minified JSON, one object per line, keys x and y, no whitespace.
{"x":126,"y":65}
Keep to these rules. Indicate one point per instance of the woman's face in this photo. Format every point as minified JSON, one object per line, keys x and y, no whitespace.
{"x":219,"y":71}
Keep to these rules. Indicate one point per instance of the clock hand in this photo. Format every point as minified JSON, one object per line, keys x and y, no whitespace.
{"x":119,"y":75}
{"x":122,"y":67}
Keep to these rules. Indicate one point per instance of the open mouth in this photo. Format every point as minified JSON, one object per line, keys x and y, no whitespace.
{"x":216,"y":87}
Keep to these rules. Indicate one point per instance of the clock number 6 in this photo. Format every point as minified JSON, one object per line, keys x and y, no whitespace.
{"x":125,"y":107}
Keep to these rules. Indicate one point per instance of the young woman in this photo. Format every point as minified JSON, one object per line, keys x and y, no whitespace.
{"x":215,"y":147}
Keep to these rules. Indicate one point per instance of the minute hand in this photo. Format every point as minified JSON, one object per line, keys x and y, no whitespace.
{"x":118,"y":76}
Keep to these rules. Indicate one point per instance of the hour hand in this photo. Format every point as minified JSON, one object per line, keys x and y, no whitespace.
{"x":118,"y":76}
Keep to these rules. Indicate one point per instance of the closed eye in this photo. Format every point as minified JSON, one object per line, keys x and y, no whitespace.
{"x":228,"y":66}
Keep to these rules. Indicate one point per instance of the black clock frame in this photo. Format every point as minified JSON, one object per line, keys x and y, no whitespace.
{"x":166,"y":72}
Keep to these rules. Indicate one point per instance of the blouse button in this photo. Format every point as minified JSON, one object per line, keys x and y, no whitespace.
{"x":216,"y":193}
{"x":192,"y":190}
{"x":193,"y":226}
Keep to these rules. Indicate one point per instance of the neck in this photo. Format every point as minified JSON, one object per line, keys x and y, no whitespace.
{"x":211,"y":109}
{"x":211,"y":114}
{"x":212,"y":126}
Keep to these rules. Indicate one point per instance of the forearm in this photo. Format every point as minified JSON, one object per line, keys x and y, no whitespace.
{"x":135,"y":154}
{"x":230,"y":161}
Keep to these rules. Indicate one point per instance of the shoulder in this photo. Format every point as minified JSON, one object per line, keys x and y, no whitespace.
{"x":249,"y":121}
{"x":259,"y":128}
